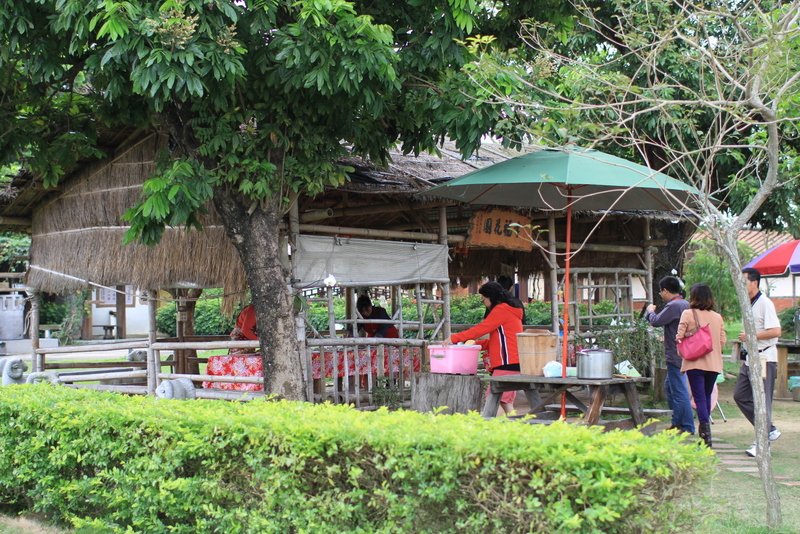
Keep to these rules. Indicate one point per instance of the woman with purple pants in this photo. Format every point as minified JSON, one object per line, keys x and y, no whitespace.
{"x":702,"y":372}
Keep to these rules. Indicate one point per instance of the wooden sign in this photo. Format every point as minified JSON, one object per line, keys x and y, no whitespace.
{"x":491,"y":229}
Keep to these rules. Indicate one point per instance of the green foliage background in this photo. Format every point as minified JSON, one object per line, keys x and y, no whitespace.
{"x":708,"y":266}
{"x":13,"y":246}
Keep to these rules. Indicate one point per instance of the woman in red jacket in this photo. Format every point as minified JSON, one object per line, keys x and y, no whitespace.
{"x":503,"y":323}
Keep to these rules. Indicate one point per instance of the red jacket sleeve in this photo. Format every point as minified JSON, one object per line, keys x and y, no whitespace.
{"x":489,"y":324}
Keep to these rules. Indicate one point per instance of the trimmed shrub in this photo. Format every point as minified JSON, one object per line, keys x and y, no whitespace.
{"x":786,"y":318}
{"x":140,"y":464}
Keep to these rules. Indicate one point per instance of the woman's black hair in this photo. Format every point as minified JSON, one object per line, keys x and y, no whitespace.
{"x":496,"y":294}
{"x":363,"y":302}
{"x":700,"y":297}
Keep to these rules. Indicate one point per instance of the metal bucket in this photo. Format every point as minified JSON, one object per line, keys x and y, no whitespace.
{"x":595,"y":363}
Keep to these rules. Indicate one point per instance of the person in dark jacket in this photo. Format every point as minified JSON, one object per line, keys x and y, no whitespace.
{"x":503,"y":323}
{"x":368,"y":311}
{"x":675,"y":386}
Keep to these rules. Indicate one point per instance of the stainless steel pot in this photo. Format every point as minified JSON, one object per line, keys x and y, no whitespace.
{"x":595,"y":363}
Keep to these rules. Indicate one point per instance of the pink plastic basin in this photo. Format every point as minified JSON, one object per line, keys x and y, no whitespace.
{"x":454,"y":359}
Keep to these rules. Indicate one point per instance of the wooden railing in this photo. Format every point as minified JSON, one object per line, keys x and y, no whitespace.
{"x":382,"y":375}
{"x":365,"y":372}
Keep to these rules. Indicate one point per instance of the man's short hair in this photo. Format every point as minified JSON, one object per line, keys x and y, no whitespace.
{"x":752,"y":274}
{"x":671,"y":284}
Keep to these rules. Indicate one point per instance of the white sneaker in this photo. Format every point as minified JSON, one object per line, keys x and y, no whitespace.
{"x":751,"y":451}
{"x":774,"y":434}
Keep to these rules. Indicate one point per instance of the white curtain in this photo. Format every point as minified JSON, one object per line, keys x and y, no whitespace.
{"x":367,"y":262}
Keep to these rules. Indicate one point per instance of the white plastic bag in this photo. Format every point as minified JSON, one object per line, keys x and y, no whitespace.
{"x":627,"y":369}
{"x":552,"y":369}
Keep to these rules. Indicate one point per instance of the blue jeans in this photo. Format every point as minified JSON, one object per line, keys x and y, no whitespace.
{"x":677,"y":392}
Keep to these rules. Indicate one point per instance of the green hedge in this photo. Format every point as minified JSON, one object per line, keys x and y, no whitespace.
{"x":139,"y":464}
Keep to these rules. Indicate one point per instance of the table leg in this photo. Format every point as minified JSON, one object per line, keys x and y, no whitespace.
{"x":596,"y":408}
{"x":534,"y":399}
{"x":576,"y":401}
{"x":632,"y":396}
{"x":492,"y":403}
{"x":782,"y":380}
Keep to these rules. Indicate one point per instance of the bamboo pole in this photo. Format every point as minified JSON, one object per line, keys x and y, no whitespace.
{"x":648,"y":264}
{"x":128,"y":390}
{"x":152,"y":354}
{"x":205,"y":345}
{"x":551,"y":247}
{"x":36,"y":360}
{"x":300,"y":317}
{"x":103,"y":376}
{"x":371,"y":232}
{"x":329,"y":213}
{"x":228,"y":395}
{"x":213,"y":378}
{"x":93,"y":348}
{"x":443,"y":240}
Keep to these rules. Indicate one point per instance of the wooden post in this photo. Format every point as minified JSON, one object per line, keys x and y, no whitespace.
{"x":446,"y":286}
{"x":35,"y":360}
{"x":153,"y":366}
{"x":648,"y":263}
{"x":523,"y":289}
{"x":300,"y":318}
{"x":459,"y":393}
{"x":88,"y":318}
{"x":120,"y":310}
{"x":551,"y":247}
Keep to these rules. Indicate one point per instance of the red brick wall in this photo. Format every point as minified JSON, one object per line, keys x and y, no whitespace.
{"x":781,"y":303}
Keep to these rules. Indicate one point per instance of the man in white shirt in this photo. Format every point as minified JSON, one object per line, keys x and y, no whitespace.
{"x":768,"y":330}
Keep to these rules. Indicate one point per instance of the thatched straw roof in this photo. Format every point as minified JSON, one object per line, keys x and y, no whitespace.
{"x":80,"y":232}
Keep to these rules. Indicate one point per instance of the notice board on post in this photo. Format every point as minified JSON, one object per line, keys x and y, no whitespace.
{"x":493,"y":229}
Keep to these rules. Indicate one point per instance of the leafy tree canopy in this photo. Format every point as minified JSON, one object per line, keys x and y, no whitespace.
{"x":675,"y":73}
{"x":259,"y":96}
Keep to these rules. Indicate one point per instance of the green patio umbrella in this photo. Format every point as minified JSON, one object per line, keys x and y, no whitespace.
{"x":569,"y":177}
{"x":566,"y":179}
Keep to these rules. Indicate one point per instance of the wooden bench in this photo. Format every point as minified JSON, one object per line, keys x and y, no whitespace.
{"x":48,"y":329}
{"x":108,"y":330}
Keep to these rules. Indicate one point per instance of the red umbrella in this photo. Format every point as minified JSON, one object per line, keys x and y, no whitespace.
{"x":777,"y":260}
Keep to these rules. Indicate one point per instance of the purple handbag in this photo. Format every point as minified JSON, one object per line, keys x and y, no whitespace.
{"x":697,"y":344}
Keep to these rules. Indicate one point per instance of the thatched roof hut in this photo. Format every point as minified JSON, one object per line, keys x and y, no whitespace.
{"x":77,"y":229}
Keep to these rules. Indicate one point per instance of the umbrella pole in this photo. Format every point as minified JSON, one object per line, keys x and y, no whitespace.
{"x":565,"y":327}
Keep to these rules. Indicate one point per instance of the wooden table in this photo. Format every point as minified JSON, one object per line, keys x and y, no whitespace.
{"x":541,"y":391}
{"x":785,"y":347}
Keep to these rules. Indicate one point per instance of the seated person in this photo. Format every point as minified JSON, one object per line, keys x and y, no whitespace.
{"x":368,"y":311}
{"x":245,"y":329}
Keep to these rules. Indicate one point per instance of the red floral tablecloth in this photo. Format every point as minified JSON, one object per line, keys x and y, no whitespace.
{"x":235,"y":365}
{"x":361,"y":364}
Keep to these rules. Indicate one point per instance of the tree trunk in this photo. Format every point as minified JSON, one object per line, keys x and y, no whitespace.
{"x":728,"y":241}
{"x":459,"y":393}
{"x":257,"y":239}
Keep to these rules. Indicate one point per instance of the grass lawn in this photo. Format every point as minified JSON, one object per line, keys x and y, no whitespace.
{"x":735,"y":502}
